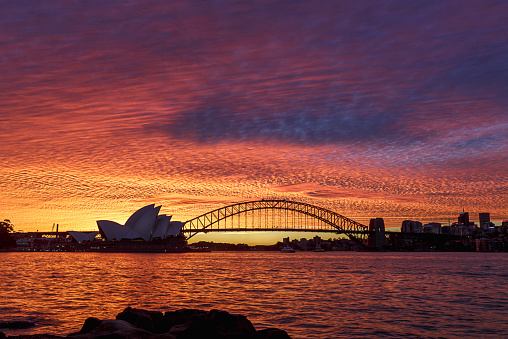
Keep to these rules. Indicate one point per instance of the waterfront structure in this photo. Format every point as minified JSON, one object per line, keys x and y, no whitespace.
{"x":144,"y":224}
{"x":411,"y":226}
{"x":433,"y":227}
{"x":377,"y":238}
{"x":303,"y":244}
{"x":81,"y":237}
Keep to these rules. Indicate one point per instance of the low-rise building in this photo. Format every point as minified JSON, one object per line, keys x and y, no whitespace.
{"x":433,"y":227}
{"x":411,"y":226}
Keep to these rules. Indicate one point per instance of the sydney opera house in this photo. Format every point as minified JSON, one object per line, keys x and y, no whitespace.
{"x":145,"y":224}
{"x":144,"y":231}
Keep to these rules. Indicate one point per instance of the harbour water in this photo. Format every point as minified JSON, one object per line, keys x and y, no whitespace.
{"x":310,"y":295}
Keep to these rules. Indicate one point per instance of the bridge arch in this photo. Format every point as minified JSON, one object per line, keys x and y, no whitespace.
{"x":337,"y":223}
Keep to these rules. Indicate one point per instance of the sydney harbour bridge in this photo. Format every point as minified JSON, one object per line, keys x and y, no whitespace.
{"x":275,"y":215}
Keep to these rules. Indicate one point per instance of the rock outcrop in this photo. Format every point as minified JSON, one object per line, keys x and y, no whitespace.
{"x":181,"y":324}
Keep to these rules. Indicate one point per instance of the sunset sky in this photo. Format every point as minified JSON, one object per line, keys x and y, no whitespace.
{"x":392,"y":109}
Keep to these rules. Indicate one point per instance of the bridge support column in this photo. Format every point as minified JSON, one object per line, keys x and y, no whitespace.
{"x":377,"y":238}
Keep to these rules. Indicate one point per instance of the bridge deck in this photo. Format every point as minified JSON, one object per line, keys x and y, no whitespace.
{"x":274,"y":229}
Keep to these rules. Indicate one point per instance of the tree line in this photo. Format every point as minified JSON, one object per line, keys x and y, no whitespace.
{"x":6,"y":239}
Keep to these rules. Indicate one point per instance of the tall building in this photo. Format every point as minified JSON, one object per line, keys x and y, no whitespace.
{"x":464,"y":218}
{"x":377,"y":239}
{"x":484,"y":220}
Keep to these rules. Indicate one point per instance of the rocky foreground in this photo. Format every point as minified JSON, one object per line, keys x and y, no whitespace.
{"x":181,"y":324}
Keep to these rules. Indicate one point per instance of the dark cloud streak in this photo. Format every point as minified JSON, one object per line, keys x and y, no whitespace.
{"x":212,"y":124}
{"x":390,"y":73}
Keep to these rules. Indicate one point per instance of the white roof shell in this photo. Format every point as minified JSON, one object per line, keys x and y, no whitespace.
{"x":174,"y":228}
{"x":161,"y":228}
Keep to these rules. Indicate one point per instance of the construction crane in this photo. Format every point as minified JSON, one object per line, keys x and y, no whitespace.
{"x":49,"y":240}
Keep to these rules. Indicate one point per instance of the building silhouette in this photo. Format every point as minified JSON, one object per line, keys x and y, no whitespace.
{"x":433,"y":227}
{"x":463,"y":218}
{"x":411,"y":226}
{"x":484,"y":220}
{"x":377,"y":238}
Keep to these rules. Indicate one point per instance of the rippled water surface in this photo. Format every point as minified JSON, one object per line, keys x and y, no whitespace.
{"x":310,"y":295}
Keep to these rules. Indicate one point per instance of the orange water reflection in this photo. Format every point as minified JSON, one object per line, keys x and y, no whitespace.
{"x":311,"y":295}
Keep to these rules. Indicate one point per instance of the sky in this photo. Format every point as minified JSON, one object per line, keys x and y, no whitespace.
{"x":392,"y":109}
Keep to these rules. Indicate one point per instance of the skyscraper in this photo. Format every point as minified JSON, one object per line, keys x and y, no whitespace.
{"x":464,"y":218}
{"x":378,"y":239}
{"x":484,"y":219}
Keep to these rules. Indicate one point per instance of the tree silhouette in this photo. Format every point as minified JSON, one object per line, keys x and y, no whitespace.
{"x":6,"y":239}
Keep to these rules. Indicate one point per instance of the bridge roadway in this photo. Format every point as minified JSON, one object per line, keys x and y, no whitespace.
{"x":275,"y":229}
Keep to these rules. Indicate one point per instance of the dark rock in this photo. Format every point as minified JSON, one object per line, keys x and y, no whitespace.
{"x":231,"y":324}
{"x":196,"y":328}
{"x":272,"y":333}
{"x":181,"y":324}
{"x":180,"y":317}
{"x":213,"y":324}
{"x":158,"y":323}
{"x":90,"y":324}
{"x":118,"y":329}
{"x":20,"y":324}
{"x":152,"y":321}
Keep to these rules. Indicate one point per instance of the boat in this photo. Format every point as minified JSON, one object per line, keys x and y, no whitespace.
{"x":288,"y":249}
{"x":318,"y":249}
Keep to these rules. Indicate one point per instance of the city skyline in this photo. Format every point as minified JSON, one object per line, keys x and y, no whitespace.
{"x":395,"y":110}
